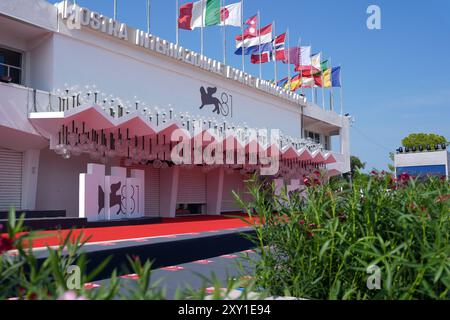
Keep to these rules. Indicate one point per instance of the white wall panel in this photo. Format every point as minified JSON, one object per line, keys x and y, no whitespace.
{"x":10,"y":179}
{"x":232,"y":182}
{"x":192,"y":186}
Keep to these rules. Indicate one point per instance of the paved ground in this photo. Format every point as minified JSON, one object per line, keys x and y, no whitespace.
{"x":190,"y":274}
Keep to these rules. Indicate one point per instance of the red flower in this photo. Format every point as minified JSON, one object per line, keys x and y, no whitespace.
{"x":312,"y":225}
{"x":317,"y":173}
{"x":374,"y":172}
{"x":307,"y":182}
{"x":302,"y":222}
{"x":310,"y":234}
{"x":404,"y":177}
{"x":6,"y":244}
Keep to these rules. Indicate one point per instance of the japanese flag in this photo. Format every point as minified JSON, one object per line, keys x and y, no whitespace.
{"x":231,"y":15}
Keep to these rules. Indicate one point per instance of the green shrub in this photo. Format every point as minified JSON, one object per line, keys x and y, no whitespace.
{"x":23,"y":276}
{"x":320,"y":247}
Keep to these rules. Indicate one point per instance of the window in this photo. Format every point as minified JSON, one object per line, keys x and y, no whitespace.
{"x":313,"y":136}
{"x":11,"y":65}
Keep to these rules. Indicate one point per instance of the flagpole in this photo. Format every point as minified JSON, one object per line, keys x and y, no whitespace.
{"x":289,"y":58}
{"x":222,"y":5}
{"x":300,"y":61}
{"x":274,"y":53}
{"x":148,"y":16}
{"x":242,"y":34}
{"x":332,"y":90}
{"x":311,"y":75}
{"x":341,"y":91}
{"x":323,"y":88}
{"x":259,"y":46}
{"x":176,"y":20}
{"x":201,"y":31}
{"x":115,"y":9}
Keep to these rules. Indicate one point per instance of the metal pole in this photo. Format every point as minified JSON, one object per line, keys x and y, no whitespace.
{"x":300,"y":64}
{"x":148,"y":16}
{"x":259,"y":46}
{"x":201,"y":31}
{"x":332,"y":90}
{"x":289,"y":58}
{"x":311,"y":75}
{"x":323,"y":87}
{"x":176,"y":20}
{"x":274,"y":53}
{"x":341,"y":91}
{"x":115,"y":9}
{"x":242,"y":33}
{"x":224,"y":34}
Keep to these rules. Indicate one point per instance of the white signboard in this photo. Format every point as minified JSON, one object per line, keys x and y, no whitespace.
{"x":113,"y":197}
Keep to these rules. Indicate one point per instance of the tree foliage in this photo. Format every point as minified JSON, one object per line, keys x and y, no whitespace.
{"x":423,"y":139}
{"x":356,"y":164}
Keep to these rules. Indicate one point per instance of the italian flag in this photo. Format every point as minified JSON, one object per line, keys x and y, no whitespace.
{"x":199,"y":14}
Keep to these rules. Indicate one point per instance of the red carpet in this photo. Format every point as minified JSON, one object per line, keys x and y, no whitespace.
{"x":175,"y":226}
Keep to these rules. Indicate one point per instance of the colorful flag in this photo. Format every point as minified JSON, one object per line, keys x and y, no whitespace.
{"x":231,"y":15}
{"x":265,"y":53}
{"x":307,"y":71}
{"x":318,"y":80}
{"x":315,"y":61}
{"x":249,"y":45}
{"x":280,"y":47}
{"x":296,"y":82}
{"x":283,"y":82}
{"x":199,"y":14}
{"x":252,"y":24}
{"x":327,"y":78}
{"x":251,"y":30}
{"x":263,"y":57}
{"x":308,"y":82}
{"x":324,"y":65}
{"x":336,"y":77}
{"x":298,"y":56}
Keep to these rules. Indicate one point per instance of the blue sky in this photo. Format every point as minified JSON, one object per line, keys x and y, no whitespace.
{"x":396,"y":80}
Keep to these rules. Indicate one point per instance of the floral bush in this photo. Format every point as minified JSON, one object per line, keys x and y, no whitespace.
{"x":24,"y":277}
{"x":327,"y":244}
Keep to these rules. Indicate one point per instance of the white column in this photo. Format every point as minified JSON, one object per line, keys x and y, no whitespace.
{"x":30,"y":168}
{"x":214,"y":183}
{"x":169,"y":191}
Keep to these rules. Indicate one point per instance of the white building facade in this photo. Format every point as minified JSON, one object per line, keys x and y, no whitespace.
{"x":79,"y":88}
{"x":433,"y":162}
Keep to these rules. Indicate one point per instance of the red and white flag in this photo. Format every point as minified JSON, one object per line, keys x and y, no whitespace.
{"x":266,"y":53}
{"x":251,"y":30}
{"x":280,"y":47}
{"x":231,"y":15}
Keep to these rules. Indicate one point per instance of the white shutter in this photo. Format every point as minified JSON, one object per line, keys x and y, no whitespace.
{"x":232,"y":182}
{"x":10,"y":179}
{"x":152,"y":192}
{"x":192,"y":186}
